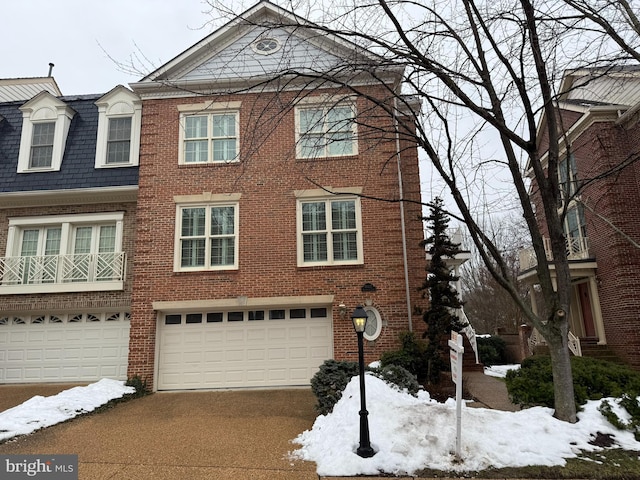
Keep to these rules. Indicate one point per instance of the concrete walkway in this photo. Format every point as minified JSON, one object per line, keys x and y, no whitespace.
{"x":488,"y":392}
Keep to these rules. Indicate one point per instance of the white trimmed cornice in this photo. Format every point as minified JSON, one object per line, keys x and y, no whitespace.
{"x":82,"y":196}
{"x":183,"y":306}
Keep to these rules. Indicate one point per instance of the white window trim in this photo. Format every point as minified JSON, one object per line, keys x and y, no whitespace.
{"x":67,"y":223}
{"x":376,"y":313}
{"x":44,"y":107}
{"x":195,"y":201}
{"x":209,"y":108}
{"x":306,"y":196}
{"x":325,"y":102}
{"x":119,"y":103}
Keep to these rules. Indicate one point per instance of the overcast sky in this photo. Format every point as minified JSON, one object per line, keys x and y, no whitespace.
{"x":79,"y":36}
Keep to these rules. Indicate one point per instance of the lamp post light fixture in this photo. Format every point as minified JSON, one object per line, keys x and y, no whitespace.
{"x":359,"y":318}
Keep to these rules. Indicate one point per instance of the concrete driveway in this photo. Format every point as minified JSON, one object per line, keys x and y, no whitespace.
{"x":184,"y":435}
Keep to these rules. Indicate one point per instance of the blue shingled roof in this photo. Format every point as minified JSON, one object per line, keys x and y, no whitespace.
{"x":78,"y":163}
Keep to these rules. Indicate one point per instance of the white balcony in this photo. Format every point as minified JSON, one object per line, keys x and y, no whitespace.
{"x":577,"y":249}
{"x":62,"y":273}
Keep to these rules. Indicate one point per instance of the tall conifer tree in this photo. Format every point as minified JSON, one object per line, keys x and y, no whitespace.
{"x":441,"y":316}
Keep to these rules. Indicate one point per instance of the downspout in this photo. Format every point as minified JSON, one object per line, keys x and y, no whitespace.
{"x":402,"y":223}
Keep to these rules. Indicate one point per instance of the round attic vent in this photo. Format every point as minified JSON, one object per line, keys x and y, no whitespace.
{"x":266,"y":46}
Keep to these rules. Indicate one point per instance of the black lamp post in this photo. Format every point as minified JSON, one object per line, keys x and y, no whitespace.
{"x":359,"y":318}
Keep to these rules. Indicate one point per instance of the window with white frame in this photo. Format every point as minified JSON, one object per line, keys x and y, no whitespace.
{"x":326,"y":131}
{"x":119,"y":120}
{"x":45,"y":125}
{"x":207,"y":237}
{"x":209,"y":137}
{"x":57,"y":249}
{"x":329,"y":231}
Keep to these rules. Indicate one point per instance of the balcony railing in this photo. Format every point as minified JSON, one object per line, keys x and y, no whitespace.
{"x":62,"y":269}
{"x":577,"y":249}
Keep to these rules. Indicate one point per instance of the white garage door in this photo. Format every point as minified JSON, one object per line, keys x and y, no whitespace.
{"x":231,"y":349}
{"x":64,"y":348}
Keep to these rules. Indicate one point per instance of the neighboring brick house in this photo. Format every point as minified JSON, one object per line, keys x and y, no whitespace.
{"x":68,"y":187}
{"x":599,"y":113}
{"x":257,"y":231}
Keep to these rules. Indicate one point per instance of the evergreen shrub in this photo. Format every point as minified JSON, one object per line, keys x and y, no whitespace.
{"x":593,"y":379}
{"x":492,"y":350}
{"x":333,"y":376}
{"x":411,"y":356}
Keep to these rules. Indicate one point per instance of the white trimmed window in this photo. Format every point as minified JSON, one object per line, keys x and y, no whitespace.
{"x":209,"y":137}
{"x":45,"y":125}
{"x":374,"y":323}
{"x":326,"y":131}
{"x":63,"y":253}
{"x":207,"y":237}
{"x":119,"y":120}
{"x":329,"y":231}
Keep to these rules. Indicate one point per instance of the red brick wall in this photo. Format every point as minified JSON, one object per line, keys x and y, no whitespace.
{"x":615,"y":197}
{"x":81,"y":301}
{"x":266,"y":177}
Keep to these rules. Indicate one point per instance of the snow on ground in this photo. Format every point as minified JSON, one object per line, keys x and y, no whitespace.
{"x":39,"y":412}
{"x":500,"y":371}
{"x":408,"y":433}
{"x":411,"y":433}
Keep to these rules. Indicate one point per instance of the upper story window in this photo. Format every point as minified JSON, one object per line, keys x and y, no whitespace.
{"x":207,"y":236}
{"x":63,"y":253}
{"x":45,"y":125}
{"x":568,"y":177}
{"x":119,"y":119}
{"x":209,"y":137}
{"x":329,"y":231}
{"x":326,"y":131}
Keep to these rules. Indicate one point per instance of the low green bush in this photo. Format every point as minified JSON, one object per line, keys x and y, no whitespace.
{"x":398,"y":376}
{"x":333,"y":376}
{"x":329,"y":382}
{"x":140,"y":385}
{"x":632,"y":405}
{"x":492,"y":350}
{"x":411,"y":356}
{"x":593,"y":379}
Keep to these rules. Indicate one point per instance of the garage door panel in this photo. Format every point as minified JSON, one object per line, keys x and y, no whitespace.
{"x":243,"y":354}
{"x":64,"y":351}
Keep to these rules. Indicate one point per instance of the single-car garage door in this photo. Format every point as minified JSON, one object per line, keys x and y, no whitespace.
{"x":242,"y":348}
{"x":81,"y":347}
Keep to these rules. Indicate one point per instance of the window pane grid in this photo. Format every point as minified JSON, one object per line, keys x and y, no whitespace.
{"x":42,"y":145}
{"x":218,"y":145}
{"x":326,"y":132}
{"x":208,"y":237}
{"x":343,"y":245}
{"x":119,"y":140}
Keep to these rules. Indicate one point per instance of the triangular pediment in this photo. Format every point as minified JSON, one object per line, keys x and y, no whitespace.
{"x":264,"y":42}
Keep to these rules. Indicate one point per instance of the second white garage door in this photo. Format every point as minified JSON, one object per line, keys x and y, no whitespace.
{"x":232,"y":349}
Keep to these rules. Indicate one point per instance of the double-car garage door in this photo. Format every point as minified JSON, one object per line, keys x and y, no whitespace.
{"x":268,"y":347}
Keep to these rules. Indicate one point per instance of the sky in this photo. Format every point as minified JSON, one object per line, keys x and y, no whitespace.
{"x":407,"y":433}
{"x":87,"y":39}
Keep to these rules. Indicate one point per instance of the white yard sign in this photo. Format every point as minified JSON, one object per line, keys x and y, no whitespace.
{"x":456,"y":352}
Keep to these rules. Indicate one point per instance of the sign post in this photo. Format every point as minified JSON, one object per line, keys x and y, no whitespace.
{"x":455,"y":354}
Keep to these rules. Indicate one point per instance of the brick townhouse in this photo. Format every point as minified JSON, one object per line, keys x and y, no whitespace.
{"x":599,"y":113}
{"x":257,"y":231}
{"x":68,"y":186}
{"x":209,"y":227}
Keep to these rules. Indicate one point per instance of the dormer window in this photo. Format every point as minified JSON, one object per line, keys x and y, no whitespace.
{"x":45,"y":125}
{"x":119,"y":117}
{"x":42,"y":145}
